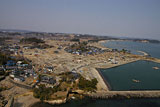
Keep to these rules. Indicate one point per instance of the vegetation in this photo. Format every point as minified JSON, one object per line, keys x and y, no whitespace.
{"x":2,"y":88}
{"x":43,"y":46}
{"x":81,"y":46}
{"x":31,"y":40}
{"x":4,"y":38}
{"x":69,"y":77}
{"x":45,"y":93}
{"x":42,"y":92}
{"x":3,"y":58}
{"x":92,"y":41}
{"x":123,"y":50}
{"x":2,"y":73}
{"x":75,"y":40}
{"x":87,"y":85}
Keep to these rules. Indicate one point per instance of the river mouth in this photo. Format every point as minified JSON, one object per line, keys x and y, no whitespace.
{"x":139,"y":75}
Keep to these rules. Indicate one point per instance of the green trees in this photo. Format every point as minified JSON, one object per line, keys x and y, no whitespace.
{"x":42,"y":92}
{"x":123,"y":50}
{"x":3,"y":59}
{"x":82,"y":46}
{"x":75,"y":40}
{"x":87,"y":85}
{"x":45,"y":93}
{"x":31,"y":40}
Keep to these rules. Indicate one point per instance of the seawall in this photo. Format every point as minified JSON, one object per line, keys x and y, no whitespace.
{"x":104,"y":80}
{"x":125,"y":94}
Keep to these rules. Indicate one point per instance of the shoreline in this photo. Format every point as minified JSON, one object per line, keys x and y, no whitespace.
{"x":102,"y":80}
{"x":104,"y":88}
{"x":131,"y":94}
{"x":105,"y":81}
{"x":123,"y":94}
{"x":105,"y":91}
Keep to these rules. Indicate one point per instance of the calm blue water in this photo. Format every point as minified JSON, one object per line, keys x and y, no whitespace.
{"x":151,"y":48}
{"x":121,"y":77}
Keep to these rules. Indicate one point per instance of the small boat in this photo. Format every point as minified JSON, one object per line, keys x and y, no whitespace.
{"x":155,"y":68}
{"x":134,"y":80}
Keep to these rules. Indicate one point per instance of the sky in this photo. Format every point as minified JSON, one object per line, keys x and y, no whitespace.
{"x":119,"y":18}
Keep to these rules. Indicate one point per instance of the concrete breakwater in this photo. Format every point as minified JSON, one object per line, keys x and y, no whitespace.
{"x":60,"y":101}
{"x":124,"y":94}
{"x":144,"y":53}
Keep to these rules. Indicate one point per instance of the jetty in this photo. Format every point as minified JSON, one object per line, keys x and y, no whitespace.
{"x":144,"y":53}
{"x":125,"y":94}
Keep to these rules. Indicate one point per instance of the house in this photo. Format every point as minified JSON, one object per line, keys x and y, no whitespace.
{"x":16,"y":53}
{"x":29,"y":72}
{"x":21,"y":52}
{"x":16,"y":73}
{"x":11,"y":67}
{"x":75,"y":75}
{"x":26,"y":47}
{"x":10,"y":63}
{"x":19,"y":78}
{"x":2,"y":68}
{"x":19,"y":62}
{"x":48,"y":79}
{"x":12,"y":75}
{"x":56,"y":52}
{"x":50,"y":69}
{"x":60,"y":47}
{"x":17,"y":47}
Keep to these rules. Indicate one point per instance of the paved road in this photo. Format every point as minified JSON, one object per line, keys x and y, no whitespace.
{"x":20,"y":85}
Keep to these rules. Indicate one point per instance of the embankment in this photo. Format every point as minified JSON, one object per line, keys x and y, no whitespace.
{"x":125,"y":94}
{"x":60,"y":101}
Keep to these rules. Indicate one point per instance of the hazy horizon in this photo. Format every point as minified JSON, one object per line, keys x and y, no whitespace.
{"x":124,"y":18}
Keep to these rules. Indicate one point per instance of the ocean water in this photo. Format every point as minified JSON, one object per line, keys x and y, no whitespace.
{"x":121,"y":78}
{"x":151,"y":48}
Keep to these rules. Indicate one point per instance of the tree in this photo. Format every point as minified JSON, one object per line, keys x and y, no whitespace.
{"x":31,"y":40}
{"x":43,"y":93}
{"x":87,"y":85}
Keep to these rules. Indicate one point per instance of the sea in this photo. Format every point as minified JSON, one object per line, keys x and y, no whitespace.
{"x":152,"y":49}
{"x":122,"y":78}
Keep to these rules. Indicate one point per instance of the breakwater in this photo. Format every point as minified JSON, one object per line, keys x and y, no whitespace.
{"x":124,"y":94}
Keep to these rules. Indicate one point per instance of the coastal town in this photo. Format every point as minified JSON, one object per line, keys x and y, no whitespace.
{"x":54,"y":68}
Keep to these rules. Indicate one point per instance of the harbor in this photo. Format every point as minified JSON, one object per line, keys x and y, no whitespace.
{"x":147,"y":92}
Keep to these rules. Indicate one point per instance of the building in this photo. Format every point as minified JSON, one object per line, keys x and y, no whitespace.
{"x":10,"y":63}
{"x":48,"y":80}
{"x":50,"y":69}
{"x":19,"y":78}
